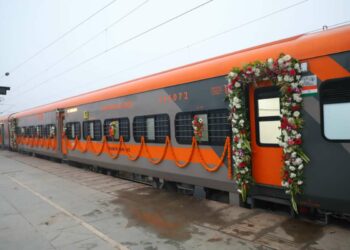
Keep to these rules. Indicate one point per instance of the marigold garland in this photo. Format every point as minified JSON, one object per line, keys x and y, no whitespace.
{"x":285,"y":73}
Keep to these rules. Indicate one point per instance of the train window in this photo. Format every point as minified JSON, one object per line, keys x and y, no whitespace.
{"x":335,"y":107}
{"x":31,"y":131}
{"x":215,"y":129}
{"x":24,"y":131}
{"x":268,"y":118}
{"x":73,"y":130}
{"x":19,"y":131}
{"x":39,"y":131}
{"x":49,"y":131}
{"x":155,"y":128}
{"x":114,"y":128}
{"x":92,"y":129}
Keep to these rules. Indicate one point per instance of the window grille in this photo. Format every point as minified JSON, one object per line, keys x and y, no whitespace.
{"x":121,"y":127}
{"x":155,"y":128}
{"x":49,"y":130}
{"x":215,"y":130}
{"x":73,"y":130}
{"x":19,"y":131}
{"x":31,"y":131}
{"x":92,"y":129}
{"x":39,"y":131}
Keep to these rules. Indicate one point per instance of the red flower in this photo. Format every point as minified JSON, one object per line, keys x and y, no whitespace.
{"x":285,"y":175}
{"x":290,"y":181}
{"x":236,"y":139}
{"x":292,"y":72}
{"x":242,"y":164}
{"x":298,"y":141}
{"x":296,"y":107}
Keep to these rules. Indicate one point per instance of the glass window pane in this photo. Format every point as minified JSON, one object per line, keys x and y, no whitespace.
{"x":337,"y":121}
{"x":91,"y":128}
{"x":73,"y":131}
{"x":269,"y":107}
{"x":205,"y":136}
{"x":150,"y":129}
{"x":269,"y":131}
{"x":115,"y":125}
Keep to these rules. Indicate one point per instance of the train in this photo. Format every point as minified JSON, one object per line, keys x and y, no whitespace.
{"x":144,"y":127}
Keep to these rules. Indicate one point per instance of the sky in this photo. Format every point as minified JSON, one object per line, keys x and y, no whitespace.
{"x":55,"y":49}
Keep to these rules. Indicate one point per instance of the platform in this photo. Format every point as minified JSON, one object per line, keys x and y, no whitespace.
{"x":47,"y":205}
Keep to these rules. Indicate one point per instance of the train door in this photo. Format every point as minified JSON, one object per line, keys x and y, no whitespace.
{"x":2,"y":135}
{"x":60,"y":119}
{"x":265,"y":118}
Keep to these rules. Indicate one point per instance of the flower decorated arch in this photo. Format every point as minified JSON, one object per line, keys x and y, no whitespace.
{"x":285,"y":73}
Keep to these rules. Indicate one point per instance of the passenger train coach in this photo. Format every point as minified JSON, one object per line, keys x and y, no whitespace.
{"x":144,"y":126}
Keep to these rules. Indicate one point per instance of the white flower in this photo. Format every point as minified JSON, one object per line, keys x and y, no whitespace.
{"x":288,"y":191}
{"x":287,"y":58}
{"x":297,"y":66}
{"x":301,"y":166}
{"x":238,"y":106}
{"x":292,"y":175}
{"x":235,"y":131}
{"x":287,"y":163}
{"x":200,"y":120}
{"x":286,"y":78}
{"x":294,"y":85}
{"x":270,"y":61}
{"x":241,"y":122}
{"x":298,"y":77}
{"x":239,"y":145}
{"x":280,"y":61}
{"x":297,"y":97}
{"x":294,"y":154}
{"x":296,"y":114}
{"x":232,"y":75}
{"x":300,"y":182}
{"x":257,"y":72}
{"x":236,"y":99}
{"x":237,"y":84}
{"x":298,"y":161}
{"x":279,"y":78}
{"x":291,"y":168}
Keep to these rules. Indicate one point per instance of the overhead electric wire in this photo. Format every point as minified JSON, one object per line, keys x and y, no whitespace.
{"x":116,"y":46}
{"x":84,"y":43}
{"x":216,"y":35}
{"x":60,"y":37}
{"x":208,"y":38}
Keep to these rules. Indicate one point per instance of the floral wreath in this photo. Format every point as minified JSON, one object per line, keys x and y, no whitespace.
{"x":285,"y":73}
{"x":197,"y":125}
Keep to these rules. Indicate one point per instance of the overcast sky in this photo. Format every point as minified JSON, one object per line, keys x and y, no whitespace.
{"x":91,"y":44}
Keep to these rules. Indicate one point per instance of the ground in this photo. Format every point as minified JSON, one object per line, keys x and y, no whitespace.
{"x":47,"y":205}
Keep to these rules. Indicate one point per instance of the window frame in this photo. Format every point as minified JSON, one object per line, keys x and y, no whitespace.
{"x":76,"y":135}
{"x":210,"y":141}
{"x":156,"y":131}
{"x":47,"y":130}
{"x":31,"y":131}
{"x":323,"y":100}
{"x":99,"y":138}
{"x":265,"y":93}
{"x":106,"y":132}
